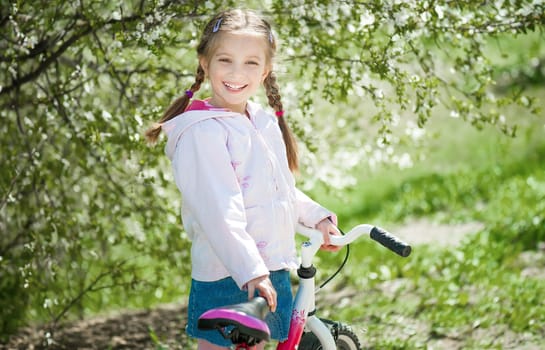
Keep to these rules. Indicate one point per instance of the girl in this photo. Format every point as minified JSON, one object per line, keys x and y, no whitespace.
{"x":233,"y":164}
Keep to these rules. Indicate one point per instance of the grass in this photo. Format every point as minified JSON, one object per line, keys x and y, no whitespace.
{"x":481,"y":294}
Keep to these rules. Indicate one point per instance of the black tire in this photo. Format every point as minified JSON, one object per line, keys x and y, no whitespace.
{"x":343,"y":334}
{"x":347,"y":340}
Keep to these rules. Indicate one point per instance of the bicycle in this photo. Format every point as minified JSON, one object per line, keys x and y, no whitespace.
{"x":244,"y":323}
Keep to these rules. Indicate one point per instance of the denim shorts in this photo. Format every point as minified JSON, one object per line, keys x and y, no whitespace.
{"x":204,"y":296}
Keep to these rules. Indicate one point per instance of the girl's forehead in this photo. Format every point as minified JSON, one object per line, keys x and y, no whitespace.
{"x":242,"y":42}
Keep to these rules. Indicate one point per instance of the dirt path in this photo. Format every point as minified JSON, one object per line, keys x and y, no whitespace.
{"x":160,"y":328}
{"x":425,"y":232}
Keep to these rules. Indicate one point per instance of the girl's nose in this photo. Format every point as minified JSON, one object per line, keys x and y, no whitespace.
{"x":236,"y":69}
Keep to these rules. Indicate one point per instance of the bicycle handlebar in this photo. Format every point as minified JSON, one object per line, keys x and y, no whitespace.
{"x":390,"y":241}
{"x":378,"y":234}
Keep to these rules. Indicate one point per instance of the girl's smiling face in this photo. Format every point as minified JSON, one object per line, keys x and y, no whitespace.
{"x":236,"y":69}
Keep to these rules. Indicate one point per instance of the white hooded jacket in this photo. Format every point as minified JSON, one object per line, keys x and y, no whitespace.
{"x":239,"y":201}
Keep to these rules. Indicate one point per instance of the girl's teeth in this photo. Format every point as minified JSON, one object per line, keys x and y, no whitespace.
{"x":235,"y":87}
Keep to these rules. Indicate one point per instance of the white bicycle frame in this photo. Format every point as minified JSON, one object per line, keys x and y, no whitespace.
{"x":305,"y":296}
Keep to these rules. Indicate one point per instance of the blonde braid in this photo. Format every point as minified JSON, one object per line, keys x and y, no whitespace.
{"x":271,"y":90}
{"x":176,"y":108}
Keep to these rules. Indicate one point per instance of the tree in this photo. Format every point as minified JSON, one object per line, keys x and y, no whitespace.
{"x":88,"y":212}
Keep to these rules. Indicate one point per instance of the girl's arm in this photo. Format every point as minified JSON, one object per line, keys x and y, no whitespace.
{"x":312,"y":214}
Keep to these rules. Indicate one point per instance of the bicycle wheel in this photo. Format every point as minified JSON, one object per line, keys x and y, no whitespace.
{"x":345,"y":339}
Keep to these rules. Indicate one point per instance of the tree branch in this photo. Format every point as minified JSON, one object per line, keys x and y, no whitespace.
{"x":45,"y":63}
{"x":86,"y":29}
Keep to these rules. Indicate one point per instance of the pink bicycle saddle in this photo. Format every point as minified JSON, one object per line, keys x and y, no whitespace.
{"x":245,"y":321}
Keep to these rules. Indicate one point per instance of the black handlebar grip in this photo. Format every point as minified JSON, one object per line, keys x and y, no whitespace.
{"x":390,"y":241}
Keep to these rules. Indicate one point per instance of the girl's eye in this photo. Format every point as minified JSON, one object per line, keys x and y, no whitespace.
{"x":224,"y":60}
{"x":254,"y":63}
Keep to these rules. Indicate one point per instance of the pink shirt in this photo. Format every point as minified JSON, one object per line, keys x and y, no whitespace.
{"x":239,"y":201}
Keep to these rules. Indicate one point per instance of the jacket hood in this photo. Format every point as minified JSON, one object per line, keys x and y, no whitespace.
{"x":175,"y":127}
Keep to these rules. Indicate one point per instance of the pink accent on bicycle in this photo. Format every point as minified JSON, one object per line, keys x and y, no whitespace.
{"x":297,"y":325}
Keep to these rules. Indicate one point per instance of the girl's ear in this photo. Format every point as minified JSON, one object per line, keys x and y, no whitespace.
{"x":265,"y":73}
{"x":204,"y":64}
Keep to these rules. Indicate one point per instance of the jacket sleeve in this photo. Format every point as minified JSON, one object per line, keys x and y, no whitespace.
{"x":310,"y":212}
{"x":209,"y":187}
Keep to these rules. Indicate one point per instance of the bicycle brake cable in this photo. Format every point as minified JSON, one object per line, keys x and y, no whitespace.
{"x":340,"y":267}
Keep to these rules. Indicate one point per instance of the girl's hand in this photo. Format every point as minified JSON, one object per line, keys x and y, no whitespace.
{"x":265,"y":288}
{"x":328,"y":228}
